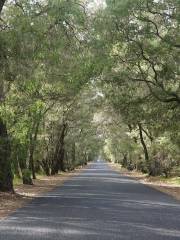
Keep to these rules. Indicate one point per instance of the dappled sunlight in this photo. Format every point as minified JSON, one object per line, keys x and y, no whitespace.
{"x":97,"y":204}
{"x":89,"y":120}
{"x":78,"y":228}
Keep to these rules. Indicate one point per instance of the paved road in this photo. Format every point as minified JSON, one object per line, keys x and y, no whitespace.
{"x":98,"y":204}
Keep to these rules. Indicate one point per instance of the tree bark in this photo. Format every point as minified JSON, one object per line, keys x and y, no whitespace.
{"x":58,"y":159}
{"x":6,"y":176}
{"x":31,"y":158}
{"x":146,"y":155}
{"x":73,"y":154}
{"x":2,"y":2}
{"x":32,"y":148}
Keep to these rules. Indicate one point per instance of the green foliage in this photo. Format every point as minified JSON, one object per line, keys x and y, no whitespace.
{"x":26,"y":176}
{"x":141,"y":81}
{"x":74,"y":85}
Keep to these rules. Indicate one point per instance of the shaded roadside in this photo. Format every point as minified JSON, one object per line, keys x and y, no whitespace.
{"x":167,"y":186}
{"x":25,"y":193}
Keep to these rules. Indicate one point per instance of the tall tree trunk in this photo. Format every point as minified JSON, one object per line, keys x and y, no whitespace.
{"x":125,"y":160}
{"x":6,"y":176}
{"x":2,"y":2}
{"x":146,"y":155}
{"x":33,"y":139}
{"x":61,"y":158}
{"x":58,"y":159}
{"x":73,"y":154}
{"x":31,"y":158}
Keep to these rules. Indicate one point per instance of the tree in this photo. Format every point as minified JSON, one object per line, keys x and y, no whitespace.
{"x":2,"y":2}
{"x":31,"y":73}
{"x":5,"y":170}
{"x":139,"y":43}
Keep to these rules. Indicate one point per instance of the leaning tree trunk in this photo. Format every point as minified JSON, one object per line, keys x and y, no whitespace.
{"x":6,"y":176}
{"x":146,"y":155}
{"x":58,"y":159}
{"x":1,"y":4}
{"x":32,"y":147}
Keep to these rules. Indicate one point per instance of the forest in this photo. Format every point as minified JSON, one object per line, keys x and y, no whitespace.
{"x":81,"y":79}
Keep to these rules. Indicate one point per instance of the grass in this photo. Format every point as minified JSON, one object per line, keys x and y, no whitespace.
{"x":39,"y":176}
{"x":170,"y":180}
{"x":17,"y":180}
{"x":173,"y":180}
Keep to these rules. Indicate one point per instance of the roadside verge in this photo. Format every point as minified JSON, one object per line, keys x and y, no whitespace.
{"x":25,"y":193}
{"x":169,"y":186}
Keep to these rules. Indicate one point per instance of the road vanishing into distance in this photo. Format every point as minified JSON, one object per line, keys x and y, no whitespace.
{"x":97,"y":204}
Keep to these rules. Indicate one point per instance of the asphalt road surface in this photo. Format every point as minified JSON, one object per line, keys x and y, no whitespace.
{"x":98,"y":204}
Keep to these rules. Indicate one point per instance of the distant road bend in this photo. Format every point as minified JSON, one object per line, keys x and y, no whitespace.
{"x":98,"y":204}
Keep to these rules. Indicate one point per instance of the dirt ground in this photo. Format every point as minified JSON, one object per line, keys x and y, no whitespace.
{"x":24,"y":193}
{"x":168,"y":188}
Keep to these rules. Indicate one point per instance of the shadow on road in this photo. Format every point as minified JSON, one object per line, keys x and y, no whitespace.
{"x":98,"y":204}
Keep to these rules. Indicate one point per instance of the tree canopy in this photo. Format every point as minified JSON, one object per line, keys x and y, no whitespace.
{"x":80,"y":80}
